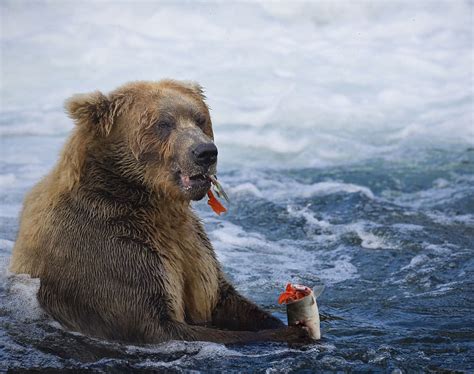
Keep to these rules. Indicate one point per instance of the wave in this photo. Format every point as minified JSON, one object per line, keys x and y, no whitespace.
{"x":279,"y":190}
{"x":247,"y":254}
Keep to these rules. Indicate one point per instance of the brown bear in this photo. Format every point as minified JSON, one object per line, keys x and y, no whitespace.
{"x":111,"y":234}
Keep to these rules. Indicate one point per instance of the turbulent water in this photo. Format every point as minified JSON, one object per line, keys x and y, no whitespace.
{"x":346,"y":143}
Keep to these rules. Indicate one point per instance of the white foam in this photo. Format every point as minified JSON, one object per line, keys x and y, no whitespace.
{"x":331,"y":233}
{"x":215,"y":350}
{"x":308,"y":216}
{"x":256,"y":262}
{"x":407,"y":227}
{"x":7,"y":180}
{"x":273,"y":189}
{"x":441,"y":192}
{"x":341,"y":270}
{"x":328,"y":188}
{"x":274,"y":141}
{"x":22,"y":302}
{"x":245,"y":189}
{"x":444,"y":219}
{"x":251,"y":181}
{"x":424,"y":269}
{"x":440,"y":249}
{"x":10,"y":210}
{"x":6,"y":245}
{"x":417,"y":261}
{"x":365,"y":231}
{"x":293,"y":97}
{"x":371,"y":241}
{"x":36,"y":121}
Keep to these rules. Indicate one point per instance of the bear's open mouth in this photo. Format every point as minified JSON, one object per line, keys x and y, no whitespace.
{"x":197,"y":180}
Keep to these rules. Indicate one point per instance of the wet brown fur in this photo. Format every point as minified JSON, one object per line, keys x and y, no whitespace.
{"x":119,"y":252}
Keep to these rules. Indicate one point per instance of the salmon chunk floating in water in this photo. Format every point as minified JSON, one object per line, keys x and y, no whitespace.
{"x":301,"y":308}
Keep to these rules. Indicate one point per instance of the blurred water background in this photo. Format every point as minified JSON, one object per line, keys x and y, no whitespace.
{"x":346,"y":140}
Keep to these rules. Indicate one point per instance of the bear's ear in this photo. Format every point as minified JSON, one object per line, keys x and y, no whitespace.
{"x":195,"y":87}
{"x":93,"y":110}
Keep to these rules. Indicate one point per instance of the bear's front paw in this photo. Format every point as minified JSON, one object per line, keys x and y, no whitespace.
{"x":269,"y":323}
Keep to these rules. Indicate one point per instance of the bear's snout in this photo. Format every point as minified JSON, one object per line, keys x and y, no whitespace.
{"x":205,"y":154}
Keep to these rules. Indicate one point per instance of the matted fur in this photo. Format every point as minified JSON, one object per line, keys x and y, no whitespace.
{"x":118,"y":250}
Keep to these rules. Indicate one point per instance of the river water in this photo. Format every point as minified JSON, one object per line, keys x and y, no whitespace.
{"x":346,"y":143}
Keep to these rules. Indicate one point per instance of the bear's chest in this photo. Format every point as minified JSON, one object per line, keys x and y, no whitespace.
{"x":192,"y":275}
{"x":200,"y":283}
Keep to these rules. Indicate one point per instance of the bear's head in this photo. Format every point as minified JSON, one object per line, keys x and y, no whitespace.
{"x":158,"y":134}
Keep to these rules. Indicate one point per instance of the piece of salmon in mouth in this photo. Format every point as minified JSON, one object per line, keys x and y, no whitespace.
{"x":196,"y":180}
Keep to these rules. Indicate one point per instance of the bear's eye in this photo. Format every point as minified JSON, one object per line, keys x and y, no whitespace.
{"x":163,"y":128}
{"x":200,"y":121}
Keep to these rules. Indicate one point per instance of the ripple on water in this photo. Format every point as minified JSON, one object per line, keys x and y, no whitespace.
{"x":398,"y":278}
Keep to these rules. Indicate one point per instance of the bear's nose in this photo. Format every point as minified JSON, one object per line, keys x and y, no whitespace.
{"x":205,"y":154}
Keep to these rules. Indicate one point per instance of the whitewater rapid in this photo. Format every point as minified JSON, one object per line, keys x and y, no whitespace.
{"x":346,"y":143}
